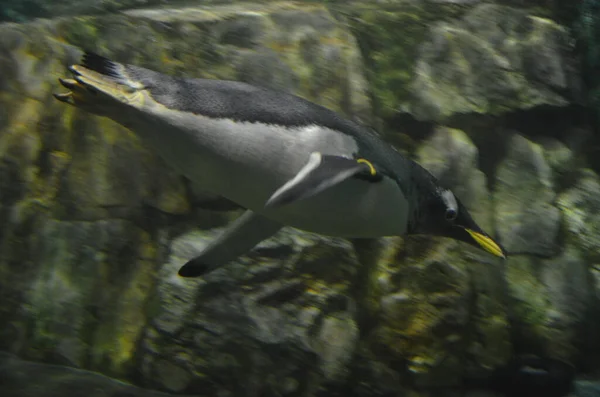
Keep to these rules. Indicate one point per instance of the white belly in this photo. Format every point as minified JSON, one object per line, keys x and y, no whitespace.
{"x":247,"y":162}
{"x":355,"y":208}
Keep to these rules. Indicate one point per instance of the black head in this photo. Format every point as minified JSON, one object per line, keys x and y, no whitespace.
{"x":437,"y":211}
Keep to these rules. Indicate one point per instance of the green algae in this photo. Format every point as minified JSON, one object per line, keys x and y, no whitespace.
{"x":389,"y":38}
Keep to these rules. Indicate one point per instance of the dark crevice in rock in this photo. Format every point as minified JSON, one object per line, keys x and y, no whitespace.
{"x":272,"y":252}
{"x":561,"y":237}
{"x":316,"y":326}
{"x":586,"y":339}
{"x":285,"y":293}
{"x":524,"y":341}
{"x":492,"y":147}
{"x":566,"y":180}
{"x":263,"y":274}
{"x":406,"y":123}
{"x":490,"y":133}
{"x":336,"y":303}
{"x":547,"y":121}
{"x":13,"y":186}
{"x":364,"y":289}
{"x":571,"y":126}
{"x":590,"y":340}
{"x":369,"y":70}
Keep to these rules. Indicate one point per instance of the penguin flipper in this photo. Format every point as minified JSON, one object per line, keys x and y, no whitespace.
{"x":320,"y":173}
{"x":239,"y":237}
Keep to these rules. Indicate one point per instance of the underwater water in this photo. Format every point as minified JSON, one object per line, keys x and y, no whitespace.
{"x":103,"y":198}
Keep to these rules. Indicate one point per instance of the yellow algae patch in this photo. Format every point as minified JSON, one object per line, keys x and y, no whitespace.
{"x":25,"y":116}
{"x":111,"y":131}
{"x":117,"y":339}
{"x":172,"y":196}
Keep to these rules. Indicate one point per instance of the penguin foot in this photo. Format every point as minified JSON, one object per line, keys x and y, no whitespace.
{"x":78,"y":91}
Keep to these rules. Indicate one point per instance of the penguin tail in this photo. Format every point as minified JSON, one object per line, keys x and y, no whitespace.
{"x":97,"y":83}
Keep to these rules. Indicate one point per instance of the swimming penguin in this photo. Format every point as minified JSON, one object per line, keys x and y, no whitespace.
{"x":286,"y":160}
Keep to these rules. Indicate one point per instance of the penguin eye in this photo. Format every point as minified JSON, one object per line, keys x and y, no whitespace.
{"x":451,"y":214}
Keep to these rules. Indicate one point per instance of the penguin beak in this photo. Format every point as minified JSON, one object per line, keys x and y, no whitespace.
{"x":486,"y":243}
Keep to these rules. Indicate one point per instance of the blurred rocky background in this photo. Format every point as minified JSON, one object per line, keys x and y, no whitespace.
{"x":491,"y":97}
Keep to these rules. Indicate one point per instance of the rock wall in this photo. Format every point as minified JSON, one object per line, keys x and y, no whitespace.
{"x":486,"y":96}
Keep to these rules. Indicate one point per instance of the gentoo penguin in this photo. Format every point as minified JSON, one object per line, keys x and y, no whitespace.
{"x":286,"y":160}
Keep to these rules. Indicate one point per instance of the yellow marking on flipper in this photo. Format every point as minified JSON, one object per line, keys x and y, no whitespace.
{"x":368,"y":163}
{"x":487,"y":243}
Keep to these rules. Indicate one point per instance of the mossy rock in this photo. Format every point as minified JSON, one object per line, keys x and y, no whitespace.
{"x":436,"y":62}
{"x":526,"y":217}
{"x":430,"y":312}
{"x":495,"y":60}
{"x":389,"y":37}
{"x":292,"y":292}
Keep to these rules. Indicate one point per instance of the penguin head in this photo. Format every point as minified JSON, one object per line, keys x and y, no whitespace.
{"x":437,"y":211}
